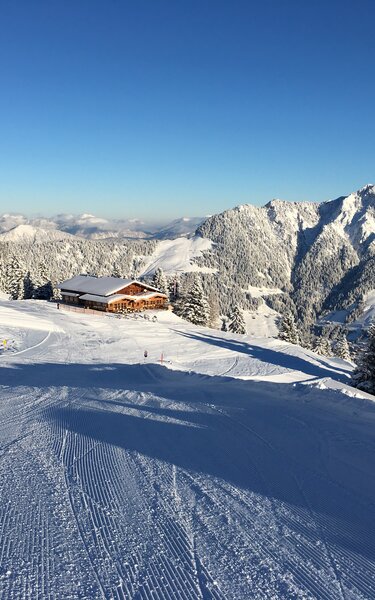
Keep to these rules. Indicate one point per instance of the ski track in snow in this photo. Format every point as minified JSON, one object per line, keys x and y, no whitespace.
{"x":122,"y":479}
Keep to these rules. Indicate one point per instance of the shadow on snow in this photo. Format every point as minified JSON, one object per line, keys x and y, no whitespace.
{"x":265,"y":438}
{"x":274,"y":357}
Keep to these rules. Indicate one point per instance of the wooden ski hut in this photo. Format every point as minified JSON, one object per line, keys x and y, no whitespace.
{"x":111,"y":294}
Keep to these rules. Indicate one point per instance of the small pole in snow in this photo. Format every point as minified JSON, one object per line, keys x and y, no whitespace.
{"x":161,"y":358}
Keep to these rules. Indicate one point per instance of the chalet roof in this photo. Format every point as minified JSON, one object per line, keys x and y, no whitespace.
{"x":114,"y":297}
{"x":99,"y":286}
{"x":72,"y":294}
{"x":103,"y":299}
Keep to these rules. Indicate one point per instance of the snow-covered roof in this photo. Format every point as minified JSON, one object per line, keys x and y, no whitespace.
{"x":118,"y":297}
{"x":100,"y":286}
{"x":69,"y":294}
{"x":148,"y":295}
{"x":104,"y":299}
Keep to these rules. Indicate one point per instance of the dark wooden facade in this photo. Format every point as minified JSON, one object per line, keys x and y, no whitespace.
{"x":144,"y":298}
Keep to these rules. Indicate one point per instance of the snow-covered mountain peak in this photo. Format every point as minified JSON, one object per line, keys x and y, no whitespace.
{"x":30,"y":233}
{"x":368,"y":189}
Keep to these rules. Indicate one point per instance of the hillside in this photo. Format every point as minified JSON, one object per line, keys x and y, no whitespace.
{"x":31,"y":234}
{"x":317,"y":260}
{"x":321,"y":256}
{"x":91,"y":227}
{"x":235,"y":468}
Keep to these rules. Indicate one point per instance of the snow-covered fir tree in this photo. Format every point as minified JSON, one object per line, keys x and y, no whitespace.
{"x":194,"y":306}
{"x":159,"y":281}
{"x":43,"y":289}
{"x":288,"y":329}
{"x":174,"y":288}
{"x":342,"y":349}
{"x":56,"y":292}
{"x":323,"y":346}
{"x":28,"y":286}
{"x":236,"y":321}
{"x":115,"y":272}
{"x":364,"y":375}
{"x":213,"y":303}
{"x":13,"y":283}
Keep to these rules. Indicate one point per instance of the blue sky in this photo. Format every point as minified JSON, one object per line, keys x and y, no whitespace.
{"x":163,"y":108}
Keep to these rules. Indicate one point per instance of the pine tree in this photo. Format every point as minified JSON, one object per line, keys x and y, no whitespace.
{"x":288,"y":329}
{"x":14,"y":280}
{"x":174,"y":288}
{"x":194,"y":307}
{"x":43,"y":289}
{"x":224,"y":324}
{"x":364,"y":375}
{"x":56,"y":292}
{"x":28,"y":286}
{"x":214,"y":318}
{"x":342,"y":348}
{"x":115,"y":272}
{"x":323,"y":346}
{"x":159,"y":281}
{"x":21,"y":289}
{"x":236,"y":321}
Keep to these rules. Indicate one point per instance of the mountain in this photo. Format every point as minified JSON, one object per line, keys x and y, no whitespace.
{"x":320,"y":256}
{"x":89,"y":226}
{"x":31,"y":234}
{"x":317,"y":260}
{"x":178,"y":228}
{"x":9,"y":221}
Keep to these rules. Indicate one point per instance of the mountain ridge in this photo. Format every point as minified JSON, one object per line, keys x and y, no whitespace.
{"x":306,"y":249}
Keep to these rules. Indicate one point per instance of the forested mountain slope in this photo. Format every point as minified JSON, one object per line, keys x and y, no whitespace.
{"x":321,"y":256}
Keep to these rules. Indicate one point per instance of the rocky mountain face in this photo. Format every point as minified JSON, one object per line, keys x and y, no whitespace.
{"x":321,"y":256}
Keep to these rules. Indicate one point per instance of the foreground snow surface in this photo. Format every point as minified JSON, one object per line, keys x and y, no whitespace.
{"x":237,"y":468}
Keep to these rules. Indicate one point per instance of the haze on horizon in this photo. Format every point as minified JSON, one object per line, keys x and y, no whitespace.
{"x":155,"y":110}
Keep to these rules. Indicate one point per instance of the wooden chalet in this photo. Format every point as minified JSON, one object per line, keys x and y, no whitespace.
{"x":111,"y":294}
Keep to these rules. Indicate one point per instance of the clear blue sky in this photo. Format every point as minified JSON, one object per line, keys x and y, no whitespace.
{"x":156,"y":108}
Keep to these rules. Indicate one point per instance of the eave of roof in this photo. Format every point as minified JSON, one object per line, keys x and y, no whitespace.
{"x":100,"y":286}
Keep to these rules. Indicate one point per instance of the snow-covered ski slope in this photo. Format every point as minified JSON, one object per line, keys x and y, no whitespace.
{"x":238,"y":468}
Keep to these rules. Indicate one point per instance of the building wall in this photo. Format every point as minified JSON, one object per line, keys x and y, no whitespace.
{"x":132,"y":289}
{"x":157,"y":302}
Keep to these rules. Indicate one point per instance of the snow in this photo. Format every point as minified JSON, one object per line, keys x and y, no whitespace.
{"x":103,"y":299}
{"x":218,"y":467}
{"x":368,"y":314}
{"x":176,"y":256}
{"x":184,"y":226}
{"x":93,"y":227}
{"x":259,"y":292}
{"x":25,"y":315}
{"x":262,"y":322}
{"x":101,"y":286}
{"x":114,"y":297}
{"x":30,"y":233}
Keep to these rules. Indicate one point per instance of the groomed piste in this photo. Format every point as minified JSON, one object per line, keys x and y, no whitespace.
{"x":218,"y":466}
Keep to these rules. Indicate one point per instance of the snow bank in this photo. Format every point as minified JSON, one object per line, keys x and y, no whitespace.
{"x":25,"y":315}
